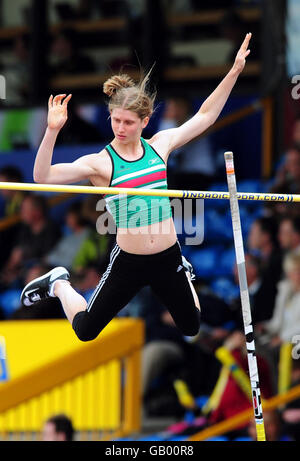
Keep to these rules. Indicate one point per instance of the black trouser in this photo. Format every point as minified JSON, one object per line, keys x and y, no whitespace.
{"x":126,"y":274}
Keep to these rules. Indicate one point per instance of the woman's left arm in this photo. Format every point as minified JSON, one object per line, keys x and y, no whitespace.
{"x":209,"y":111}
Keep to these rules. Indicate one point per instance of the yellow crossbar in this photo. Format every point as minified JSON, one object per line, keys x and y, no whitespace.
{"x":77,"y":189}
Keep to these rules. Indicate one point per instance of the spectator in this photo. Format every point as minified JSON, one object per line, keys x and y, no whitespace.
{"x":58,"y":428}
{"x":167,"y":356}
{"x":12,"y":203}
{"x":296,"y":132}
{"x":258,"y":292}
{"x":12,"y":198}
{"x":291,"y":412}
{"x":67,"y":56}
{"x":295,"y":243}
{"x":285,"y":233}
{"x":36,"y":238}
{"x":65,"y":250}
{"x":287,"y":179}
{"x":164,"y":342}
{"x":262,"y":241}
{"x":289,"y":234}
{"x":96,"y":248}
{"x":284,"y":323}
{"x":217,"y":322}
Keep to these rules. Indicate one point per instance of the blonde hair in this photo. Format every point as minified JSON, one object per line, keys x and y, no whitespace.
{"x":125,"y":93}
{"x":291,"y":262}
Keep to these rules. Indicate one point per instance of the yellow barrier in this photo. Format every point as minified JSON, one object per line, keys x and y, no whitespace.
{"x":242,"y":379}
{"x":285,"y":367}
{"x":97,"y":384}
{"x":217,"y":393}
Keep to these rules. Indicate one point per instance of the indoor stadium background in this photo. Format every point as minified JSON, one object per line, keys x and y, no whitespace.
{"x":141,"y":379}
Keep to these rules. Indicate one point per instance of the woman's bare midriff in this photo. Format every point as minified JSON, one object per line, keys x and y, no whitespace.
{"x":143,"y":240}
{"x":148,"y":239}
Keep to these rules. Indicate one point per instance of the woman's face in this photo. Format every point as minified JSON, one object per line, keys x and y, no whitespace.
{"x":256,"y":238}
{"x":294,"y":276}
{"x":285,"y":234}
{"x":127,"y":125}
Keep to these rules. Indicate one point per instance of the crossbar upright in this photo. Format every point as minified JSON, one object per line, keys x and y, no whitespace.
{"x":245,"y":300}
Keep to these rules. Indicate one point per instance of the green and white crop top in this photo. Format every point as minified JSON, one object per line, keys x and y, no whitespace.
{"x":149,"y":172}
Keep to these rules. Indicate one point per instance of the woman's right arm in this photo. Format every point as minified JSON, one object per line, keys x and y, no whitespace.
{"x":62,"y":173}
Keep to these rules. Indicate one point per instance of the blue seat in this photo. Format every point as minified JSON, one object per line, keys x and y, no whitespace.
{"x":226,"y":262}
{"x":217,"y":204}
{"x":204,"y":261}
{"x":225,"y":289}
{"x":187,"y":250}
{"x":267,"y":185}
{"x":178,"y":438}
{"x":201,"y":400}
{"x":216,"y":226}
{"x":219,"y":187}
{"x":10,"y":301}
{"x":249,"y":185}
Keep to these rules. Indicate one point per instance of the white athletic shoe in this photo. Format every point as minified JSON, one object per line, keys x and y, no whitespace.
{"x":40,"y":288}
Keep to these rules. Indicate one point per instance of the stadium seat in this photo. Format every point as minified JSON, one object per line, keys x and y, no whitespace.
{"x":226,"y":262}
{"x":219,"y":186}
{"x":225,"y":289}
{"x":249,"y":185}
{"x":205,"y":261}
{"x":216,"y":228}
{"x":10,"y":301}
{"x":178,"y":438}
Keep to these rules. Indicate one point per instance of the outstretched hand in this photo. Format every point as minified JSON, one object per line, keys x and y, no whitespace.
{"x":242,"y":54}
{"x":57,"y":111}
